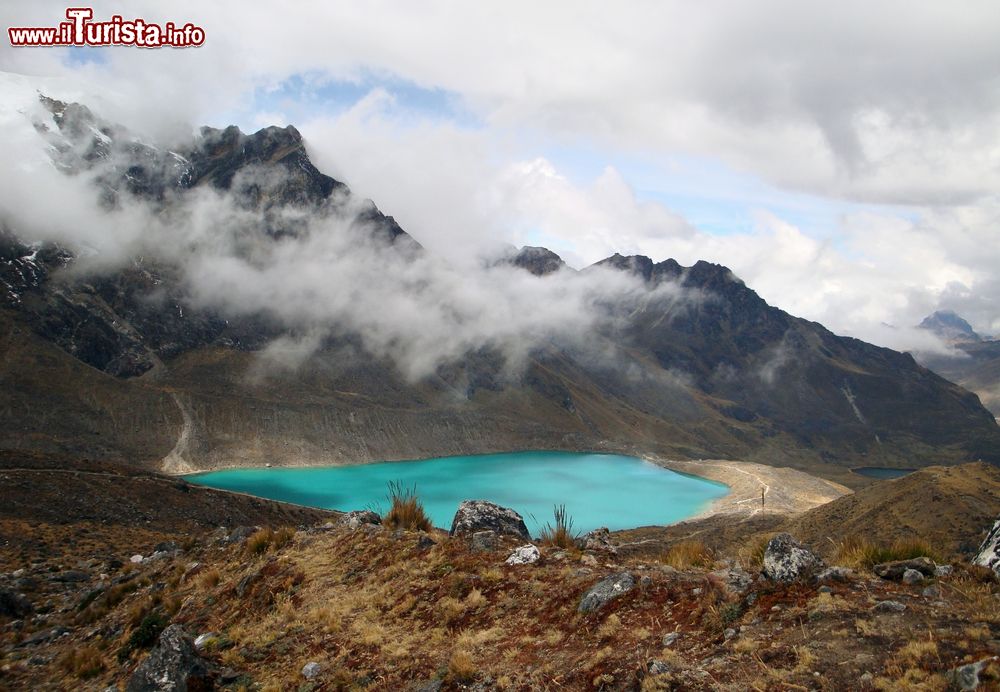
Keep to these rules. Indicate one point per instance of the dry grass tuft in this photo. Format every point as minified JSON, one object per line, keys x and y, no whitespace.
{"x":83,"y":662}
{"x":861,"y":553}
{"x":561,"y":535}
{"x":210,"y":579}
{"x":405,"y":509}
{"x":461,"y":667}
{"x":689,"y":554}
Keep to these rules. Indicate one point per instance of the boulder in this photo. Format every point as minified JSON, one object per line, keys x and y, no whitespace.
{"x":310,"y":670}
{"x":894,"y":571}
{"x":605,"y":591}
{"x":524,"y":555}
{"x":13,"y":604}
{"x":787,"y":560}
{"x":483,"y":541}
{"x":912,"y":576}
{"x":358,"y":518}
{"x":481,"y":515}
{"x":966,"y":678}
{"x":989,"y":551}
{"x":172,"y":665}
{"x":598,"y":540}
{"x":835,"y":573}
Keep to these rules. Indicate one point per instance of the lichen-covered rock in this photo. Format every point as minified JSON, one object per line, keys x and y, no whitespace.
{"x":606,"y":590}
{"x":787,"y":560}
{"x":912,"y":576}
{"x":524,"y":555}
{"x":966,"y":678}
{"x":895,"y":570}
{"x":358,"y":518}
{"x":989,"y":551}
{"x":172,"y":666}
{"x":598,"y":540}
{"x":835,"y":573}
{"x":734,"y":579}
{"x":483,"y":541}
{"x":310,"y":670}
{"x":888,"y":607}
{"x":481,"y":515}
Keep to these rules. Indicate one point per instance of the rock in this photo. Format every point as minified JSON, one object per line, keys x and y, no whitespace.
{"x":943,"y":570}
{"x":734,"y":579}
{"x":588,"y":560}
{"x":787,"y":560}
{"x":172,"y":665}
{"x":606,"y":590}
{"x":480,"y":515}
{"x":219,"y":535}
{"x":311,"y":670}
{"x":70,"y":575}
{"x":166,"y":547}
{"x":729,"y":633}
{"x":203,"y":640}
{"x":835,"y":573}
{"x":358,"y":518}
{"x":646,"y":581}
{"x":825,"y":589}
{"x":483,"y":541}
{"x":893,"y":571}
{"x":966,"y":678}
{"x":524,"y":555}
{"x":932,"y":591}
{"x":241,"y":533}
{"x":912,"y":576}
{"x":888,"y":607}
{"x":989,"y":551}
{"x":670,"y":638}
{"x":193,"y":570}
{"x":425,"y":542}
{"x":135,"y":559}
{"x":655,"y":667}
{"x":598,"y":540}
{"x":13,"y":604}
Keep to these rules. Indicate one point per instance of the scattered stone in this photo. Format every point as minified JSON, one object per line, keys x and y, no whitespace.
{"x":44,"y":636}
{"x":894,"y":571}
{"x":825,"y":589}
{"x":588,"y":560}
{"x":696,"y":591}
{"x":425,"y":542}
{"x":932,"y":591}
{"x":645,"y":581}
{"x":166,"y":547}
{"x":734,"y":579}
{"x":203,"y":640}
{"x":559,"y":556}
{"x":241,"y":533}
{"x":524,"y":555}
{"x":867,"y":679}
{"x":193,"y":570}
{"x":888,"y":607}
{"x":427,"y":686}
{"x":943,"y":570}
{"x":13,"y":604}
{"x":912,"y":576}
{"x":787,"y":560}
{"x":989,"y":551}
{"x":658,"y":668}
{"x":358,"y":518}
{"x":135,"y":559}
{"x":311,"y":670}
{"x":606,"y":590}
{"x":598,"y":540}
{"x":581,"y":572}
{"x":219,"y":535}
{"x":670,"y":638}
{"x":70,"y":576}
{"x":966,"y":678}
{"x":835,"y":573}
{"x":173,"y":664}
{"x":483,"y":541}
{"x":479,"y":515}
{"x":775,"y":608}
{"x":729,"y":633}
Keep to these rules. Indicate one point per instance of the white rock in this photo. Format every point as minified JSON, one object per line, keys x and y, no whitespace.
{"x":524,"y":555}
{"x":135,"y":559}
{"x":989,"y":551}
{"x":310,"y":670}
{"x":203,"y":639}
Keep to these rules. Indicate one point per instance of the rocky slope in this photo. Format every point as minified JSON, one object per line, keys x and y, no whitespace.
{"x":124,"y":363}
{"x":976,"y":363}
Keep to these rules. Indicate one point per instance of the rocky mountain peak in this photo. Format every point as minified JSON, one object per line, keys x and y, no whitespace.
{"x":537,"y":260}
{"x":950,"y":326}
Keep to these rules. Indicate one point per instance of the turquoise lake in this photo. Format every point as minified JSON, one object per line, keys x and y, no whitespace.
{"x":619,"y":492}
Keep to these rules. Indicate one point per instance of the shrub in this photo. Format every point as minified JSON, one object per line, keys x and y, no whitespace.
{"x":145,"y":635}
{"x":561,"y":535}
{"x":689,"y":554}
{"x":405,"y":509}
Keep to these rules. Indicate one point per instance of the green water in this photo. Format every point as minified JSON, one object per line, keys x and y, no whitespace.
{"x":598,"y":489}
{"x":882,"y":473}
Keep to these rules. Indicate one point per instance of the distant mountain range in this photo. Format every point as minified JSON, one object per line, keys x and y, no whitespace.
{"x":121,"y":362}
{"x":976,"y":363}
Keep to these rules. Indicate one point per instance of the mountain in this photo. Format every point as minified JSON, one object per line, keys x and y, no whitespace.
{"x":974,"y":363}
{"x":950,"y":326}
{"x":126,"y":360}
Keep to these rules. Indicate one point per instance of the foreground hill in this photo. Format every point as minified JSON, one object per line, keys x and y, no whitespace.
{"x":126,"y":359}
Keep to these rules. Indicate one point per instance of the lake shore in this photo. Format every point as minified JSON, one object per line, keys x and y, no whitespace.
{"x":786,"y":491}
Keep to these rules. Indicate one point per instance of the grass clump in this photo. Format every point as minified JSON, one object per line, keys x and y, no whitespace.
{"x":405,"y":509}
{"x":461,"y":667}
{"x":689,"y":554}
{"x":266,"y":539}
{"x":82,"y":662}
{"x":561,"y":535}
{"x":864,"y":554}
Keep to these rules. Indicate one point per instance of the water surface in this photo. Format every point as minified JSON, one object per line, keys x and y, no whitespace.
{"x":882,"y":473}
{"x":598,"y":489}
